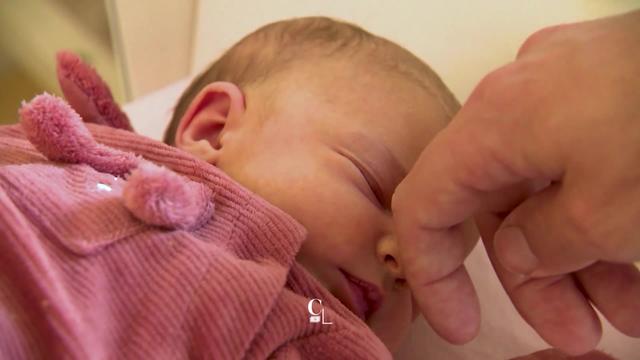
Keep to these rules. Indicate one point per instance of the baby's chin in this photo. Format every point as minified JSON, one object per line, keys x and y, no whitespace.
{"x":392,"y":326}
{"x":391,"y":322}
{"x":393,"y":342}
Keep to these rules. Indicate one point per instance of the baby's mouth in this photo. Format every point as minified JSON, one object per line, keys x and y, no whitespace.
{"x":362,"y":297}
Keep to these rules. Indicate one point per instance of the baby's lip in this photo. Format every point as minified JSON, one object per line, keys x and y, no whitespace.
{"x":363,"y":298}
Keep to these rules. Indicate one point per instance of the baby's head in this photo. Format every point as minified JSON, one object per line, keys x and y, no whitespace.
{"x":323,"y":120}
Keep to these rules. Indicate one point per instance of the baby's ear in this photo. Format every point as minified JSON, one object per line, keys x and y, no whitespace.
{"x":87,"y":93}
{"x":202,"y":127}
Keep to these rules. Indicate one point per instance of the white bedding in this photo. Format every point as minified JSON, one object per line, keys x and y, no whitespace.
{"x":150,"y":114}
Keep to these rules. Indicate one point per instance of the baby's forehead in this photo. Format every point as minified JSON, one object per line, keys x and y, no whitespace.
{"x":344,"y":78}
{"x":376,"y":103}
{"x":405,"y":118}
{"x":343,"y":95}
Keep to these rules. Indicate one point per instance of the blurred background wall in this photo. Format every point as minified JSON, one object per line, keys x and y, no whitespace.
{"x":142,"y":45}
{"x":136,"y":46}
{"x":31,"y":31}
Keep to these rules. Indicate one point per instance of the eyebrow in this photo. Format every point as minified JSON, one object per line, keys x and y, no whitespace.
{"x":381,"y":162}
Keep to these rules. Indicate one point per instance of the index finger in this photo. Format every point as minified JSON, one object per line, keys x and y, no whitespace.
{"x":486,"y":153}
{"x":432,"y":256}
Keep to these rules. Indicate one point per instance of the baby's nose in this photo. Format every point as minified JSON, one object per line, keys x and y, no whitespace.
{"x":389,"y":255}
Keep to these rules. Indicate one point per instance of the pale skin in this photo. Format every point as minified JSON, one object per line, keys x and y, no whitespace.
{"x":299,"y":149}
{"x":546,"y":147}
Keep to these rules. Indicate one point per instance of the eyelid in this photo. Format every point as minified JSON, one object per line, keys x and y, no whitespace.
{"x":371,"y":180}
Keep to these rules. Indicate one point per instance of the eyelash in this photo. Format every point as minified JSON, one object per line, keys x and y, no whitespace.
{"x":370,"y":182}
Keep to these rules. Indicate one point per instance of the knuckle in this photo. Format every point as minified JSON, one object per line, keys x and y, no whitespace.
{"x":494,"y":85}
{"x":519,"y":86}
{"x":539,"y":38}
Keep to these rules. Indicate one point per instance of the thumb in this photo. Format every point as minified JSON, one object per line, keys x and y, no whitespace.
{"x":545,"y":235}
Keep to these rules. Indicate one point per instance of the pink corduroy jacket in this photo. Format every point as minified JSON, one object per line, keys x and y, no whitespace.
{"x":86,"y":275}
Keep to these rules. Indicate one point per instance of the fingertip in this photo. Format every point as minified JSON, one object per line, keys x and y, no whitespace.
{"x":450,"y":305}
{"x":576,"y":340}
{"x":559,"y":312}
{"x":583,"y":343}
{"x":632,"y":329}
{"x":614,"y":289}
{"x":582,"y":338}
{"x":464,"y":332}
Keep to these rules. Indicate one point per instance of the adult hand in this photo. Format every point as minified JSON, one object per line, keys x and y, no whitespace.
{"x":546,"y":151}
{"x":553,"y":354}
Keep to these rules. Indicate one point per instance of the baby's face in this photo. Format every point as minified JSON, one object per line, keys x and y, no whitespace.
{"x":331,"y":151}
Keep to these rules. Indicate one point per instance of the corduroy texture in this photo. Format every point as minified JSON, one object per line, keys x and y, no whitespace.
{"x":152,"y":193}
{"x":81,"y":278}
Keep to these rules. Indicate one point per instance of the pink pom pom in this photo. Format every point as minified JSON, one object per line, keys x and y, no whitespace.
{"x":153,"y":194}
{"x":55,"y":129}
{"x":58,"y":132}
{"x":161,"y":197}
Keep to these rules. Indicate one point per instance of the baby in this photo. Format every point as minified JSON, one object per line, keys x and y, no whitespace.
{"x":323,"y":120}
{"x":105,"y":254}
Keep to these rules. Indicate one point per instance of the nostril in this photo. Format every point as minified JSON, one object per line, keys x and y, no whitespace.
{"x":390,"y":260}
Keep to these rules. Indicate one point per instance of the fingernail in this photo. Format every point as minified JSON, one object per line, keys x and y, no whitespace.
{"x":513,"y":251}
